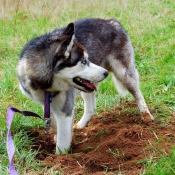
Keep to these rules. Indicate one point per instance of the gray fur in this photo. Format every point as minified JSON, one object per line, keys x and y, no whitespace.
{"x":69,"y":102}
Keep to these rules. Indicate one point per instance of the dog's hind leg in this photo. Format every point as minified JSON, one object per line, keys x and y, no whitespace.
{"x":128,"y":78}
{"x":89,"y":108}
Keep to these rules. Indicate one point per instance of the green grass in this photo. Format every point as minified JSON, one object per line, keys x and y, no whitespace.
{"x":151,"y":26}
{"x":165,"y":166}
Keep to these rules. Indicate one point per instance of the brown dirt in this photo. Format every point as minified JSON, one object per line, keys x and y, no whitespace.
{"x":113,"y":142}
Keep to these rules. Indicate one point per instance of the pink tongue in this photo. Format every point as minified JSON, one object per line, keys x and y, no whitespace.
{"x":89,"y":85}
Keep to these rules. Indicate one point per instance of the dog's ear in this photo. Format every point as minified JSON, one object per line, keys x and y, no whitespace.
{"x":66,"y":42}
{"x":69,"y":41}
{"x":69,"y":29}
{"x":68,"y":33}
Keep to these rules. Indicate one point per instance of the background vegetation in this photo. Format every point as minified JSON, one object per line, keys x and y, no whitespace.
{"x":151,"y":26}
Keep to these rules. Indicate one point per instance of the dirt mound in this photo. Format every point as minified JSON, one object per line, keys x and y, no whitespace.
{"x":113,"y":142}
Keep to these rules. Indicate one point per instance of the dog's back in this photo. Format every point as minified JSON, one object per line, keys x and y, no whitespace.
{"x":104,"y":39}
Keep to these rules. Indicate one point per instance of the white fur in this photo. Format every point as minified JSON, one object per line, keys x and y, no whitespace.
{"x":85,"y":55}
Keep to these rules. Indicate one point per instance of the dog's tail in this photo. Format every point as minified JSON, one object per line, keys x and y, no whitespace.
{"x":120,"y":87}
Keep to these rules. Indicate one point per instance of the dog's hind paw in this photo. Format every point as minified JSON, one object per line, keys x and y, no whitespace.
{"x":79,"y":125}
{"x":147,"y":117}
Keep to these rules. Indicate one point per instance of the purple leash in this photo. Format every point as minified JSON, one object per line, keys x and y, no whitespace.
{"x":10,"y":144}
{"x":10,"y":115}
{"x":47,"y":102}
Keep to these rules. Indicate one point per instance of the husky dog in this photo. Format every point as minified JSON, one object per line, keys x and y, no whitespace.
{"x":78,"y":57}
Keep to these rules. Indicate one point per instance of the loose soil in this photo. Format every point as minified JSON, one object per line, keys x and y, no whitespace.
{"x":115,"y":142}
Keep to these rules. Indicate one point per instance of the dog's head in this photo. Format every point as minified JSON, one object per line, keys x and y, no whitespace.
{"x":57,"y":61}
{"x":72,"y":68}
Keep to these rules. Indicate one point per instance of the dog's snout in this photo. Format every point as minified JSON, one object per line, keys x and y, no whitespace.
{"x":106,"y":73}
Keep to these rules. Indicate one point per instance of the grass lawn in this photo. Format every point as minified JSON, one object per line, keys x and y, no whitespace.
{"x":151,"y":27}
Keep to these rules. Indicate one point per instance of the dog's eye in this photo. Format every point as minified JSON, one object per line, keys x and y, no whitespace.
{"x":84,"y":62}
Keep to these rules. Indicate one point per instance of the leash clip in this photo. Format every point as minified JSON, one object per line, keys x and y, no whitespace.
{"x":47,"y":134}
{"x":47,"y":122}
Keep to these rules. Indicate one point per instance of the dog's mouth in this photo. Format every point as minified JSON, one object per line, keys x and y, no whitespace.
{"x":89,"y":86}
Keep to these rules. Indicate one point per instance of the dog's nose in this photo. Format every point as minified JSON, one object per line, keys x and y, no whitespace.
{"x":106,"y":73}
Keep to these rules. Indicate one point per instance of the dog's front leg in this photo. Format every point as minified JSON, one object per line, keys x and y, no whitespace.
{"x":64,"y":133}
{"x":62,"y":112}
{"x":89,"y":108}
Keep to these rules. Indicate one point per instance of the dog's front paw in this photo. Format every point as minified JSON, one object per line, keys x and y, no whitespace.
{"x":76,"y":126}
{"x":147,"y":117}
{"x":79,"y":125}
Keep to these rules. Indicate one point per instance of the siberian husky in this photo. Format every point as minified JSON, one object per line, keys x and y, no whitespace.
{"x":78,"y":56}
